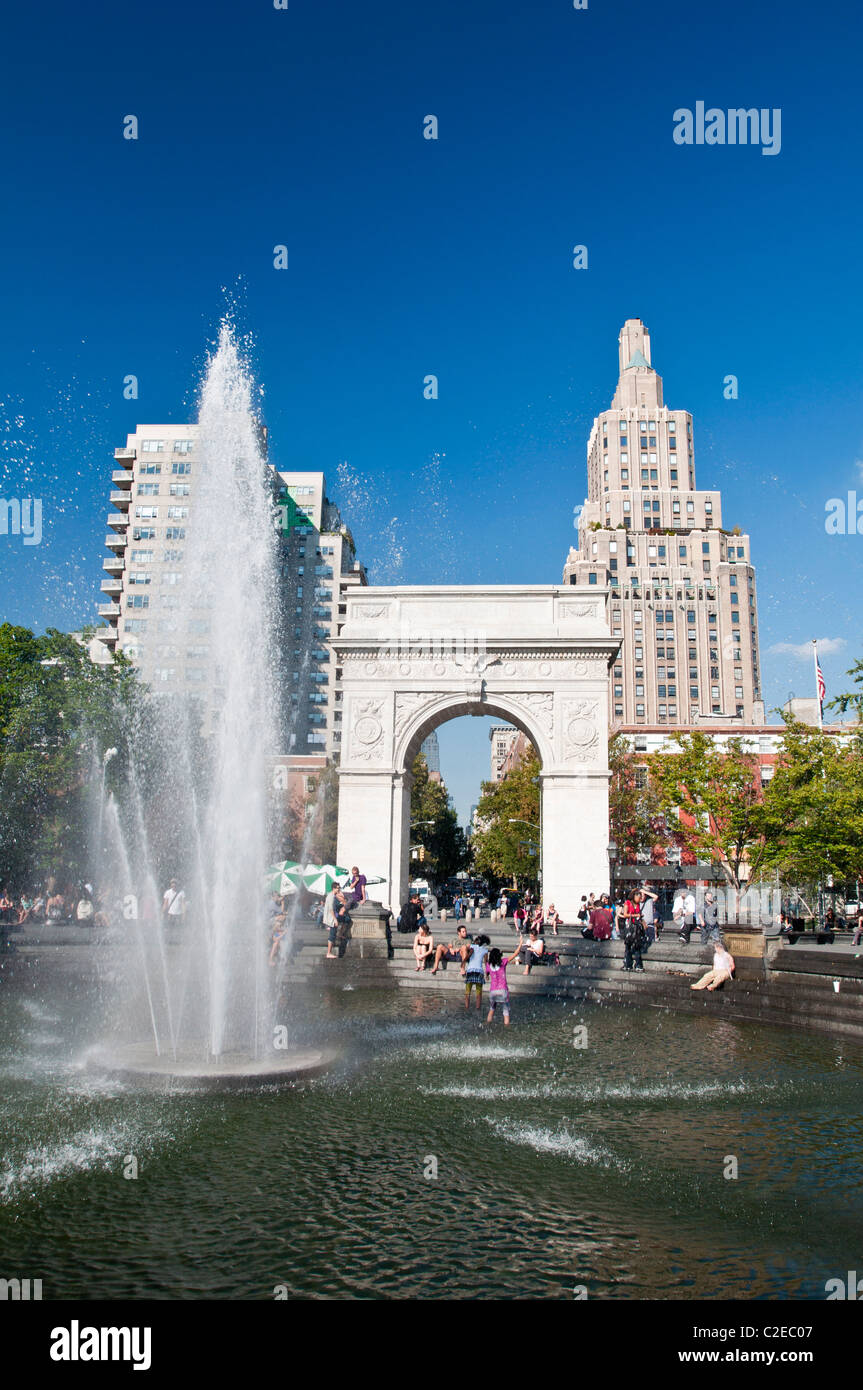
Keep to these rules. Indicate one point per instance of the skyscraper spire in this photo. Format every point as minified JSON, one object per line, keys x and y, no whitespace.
{"x":681,"y":587}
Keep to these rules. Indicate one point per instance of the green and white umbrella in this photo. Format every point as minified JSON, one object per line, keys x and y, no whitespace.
{"x":284,"y":878}
{"x":320,"y":878}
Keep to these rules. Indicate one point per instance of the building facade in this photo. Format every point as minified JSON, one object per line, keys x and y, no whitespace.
{"x":153,"y":501}
{"x":682,"y":595}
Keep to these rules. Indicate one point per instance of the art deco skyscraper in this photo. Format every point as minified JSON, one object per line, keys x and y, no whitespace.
{"x":681,"y":586}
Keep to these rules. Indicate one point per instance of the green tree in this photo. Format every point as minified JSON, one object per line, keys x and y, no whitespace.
{"x":315,"y":836}
{"x":59,"y":714}
{"x":634,"y":809}
{"x":508,"y":820}
{"x":813,"y":806}
{"x":852,"y":699}
{"x":443,"y":838}
{"x":711,"y":800}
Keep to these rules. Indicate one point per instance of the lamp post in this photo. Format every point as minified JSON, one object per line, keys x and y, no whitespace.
{"x":612,"y":859}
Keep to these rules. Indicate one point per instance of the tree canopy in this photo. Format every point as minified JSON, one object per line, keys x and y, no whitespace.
{"x":59,"y":713}
{"x":508,"y":824}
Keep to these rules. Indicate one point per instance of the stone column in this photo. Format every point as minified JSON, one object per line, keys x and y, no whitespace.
{"x":574,"y":838}
{"x":366,"y":814}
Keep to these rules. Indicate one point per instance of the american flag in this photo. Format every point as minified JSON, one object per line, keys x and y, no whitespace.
{"x":819,"y":678}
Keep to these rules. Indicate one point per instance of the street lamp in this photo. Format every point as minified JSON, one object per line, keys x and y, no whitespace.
{"x":612,"y":859}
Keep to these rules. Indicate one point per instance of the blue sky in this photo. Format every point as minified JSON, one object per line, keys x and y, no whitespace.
{"x":408,"y":257}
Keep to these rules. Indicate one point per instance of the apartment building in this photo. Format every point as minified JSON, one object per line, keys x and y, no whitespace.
{"x":153,"y":501}
{"x":682,"y":591}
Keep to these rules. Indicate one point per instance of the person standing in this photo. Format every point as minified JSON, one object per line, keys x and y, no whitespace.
{"x":689,"y":909}
{"x":648,"y":916}
{"x":633,"y":934}
{"x":334,"y":909}
{"x":174,"y":903}
{"x":709,"y":920}
{"x":495,"y":965}
{"x":474,"y":975}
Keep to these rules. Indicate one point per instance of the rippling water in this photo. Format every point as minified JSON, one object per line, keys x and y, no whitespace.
{"x":556,"y":1166}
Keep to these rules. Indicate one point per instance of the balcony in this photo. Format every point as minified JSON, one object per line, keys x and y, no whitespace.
{"x":125,"y":456}
{"x":112,"y":586}
{"x":117,"y":519}
{"x":121,"y":499}
{"x":109,"y":610}
{"x":115,"y":564}
{"x":123,"y":477}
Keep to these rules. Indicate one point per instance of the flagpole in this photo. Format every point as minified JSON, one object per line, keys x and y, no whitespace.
{"x":817,"y":686}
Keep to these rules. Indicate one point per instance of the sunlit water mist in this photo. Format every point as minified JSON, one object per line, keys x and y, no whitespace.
{"x":204,"y":985}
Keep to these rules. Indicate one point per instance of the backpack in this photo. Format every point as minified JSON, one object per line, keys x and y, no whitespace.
{"x":633,"y":930}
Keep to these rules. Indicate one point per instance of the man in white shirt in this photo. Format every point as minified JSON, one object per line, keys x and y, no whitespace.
{"x":688,"y":916}
{"x":174,"y":902}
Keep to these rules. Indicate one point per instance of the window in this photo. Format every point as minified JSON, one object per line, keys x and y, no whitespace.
{"x":195,"y":673}
{"x":591,"y":579}
{"x":169,"y":601}
{"x":138,"y":601}
{"x":175,"y":533}
{"x":639,"y":711}
{"x":181,"y":468}
{"x":197,"y":653}
{"x":172,"y":576}
{"x":144,"y":533}
{"x":142,"y":557}
{"x":738,"y":689}
{"x":183,"y":446}
{"x":139,"y":577}
{"x":639,"y":690}
{"x":180,"y":489}
{"x":164,"y":673}
{"x":178,"y":513}
{"x":693,"y":692}
{"x":138,"y":625}
{"x":172,"y":557}
{"x":618,"y":711}
{"x":151,"y":468}
{"x":732,"y":580}
{"x":152,"y":446}
{"x":690,"y":616}
{"x":147,"y":513}
{"x":627,"y":505}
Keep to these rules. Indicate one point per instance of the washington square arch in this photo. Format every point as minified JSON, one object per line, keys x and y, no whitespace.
{"x":537,"y":656}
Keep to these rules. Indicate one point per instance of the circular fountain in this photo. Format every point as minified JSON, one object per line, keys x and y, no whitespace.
{"x":195,"y":1000}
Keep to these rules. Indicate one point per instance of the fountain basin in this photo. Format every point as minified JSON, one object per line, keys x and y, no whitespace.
{"x":140,"y":1066}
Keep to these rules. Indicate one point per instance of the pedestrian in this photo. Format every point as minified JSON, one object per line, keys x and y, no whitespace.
{"x":583,"y":914}
{"x":334,"y":911}
{"x":677,"y":911}
{"x":474,"y":974}
{"x":174,"y":902}
{"x":457,"y":907}
{"x":709,"y":920}
{"x":648,"y":916}
{"x":633,"y":934}
{"x":495,"y":965}
{"x":723,"y":969}
{"x":688,"y":908}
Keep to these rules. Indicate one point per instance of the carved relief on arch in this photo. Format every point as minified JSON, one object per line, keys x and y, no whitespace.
{"x":580,"y":730}
{"x":367,"y":730}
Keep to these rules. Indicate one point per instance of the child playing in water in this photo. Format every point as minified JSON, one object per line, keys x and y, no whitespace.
{"x":474,"y":974}
{"x":495,"y":968}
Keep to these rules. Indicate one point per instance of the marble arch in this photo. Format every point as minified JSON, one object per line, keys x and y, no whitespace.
{"x":414,"y":657}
